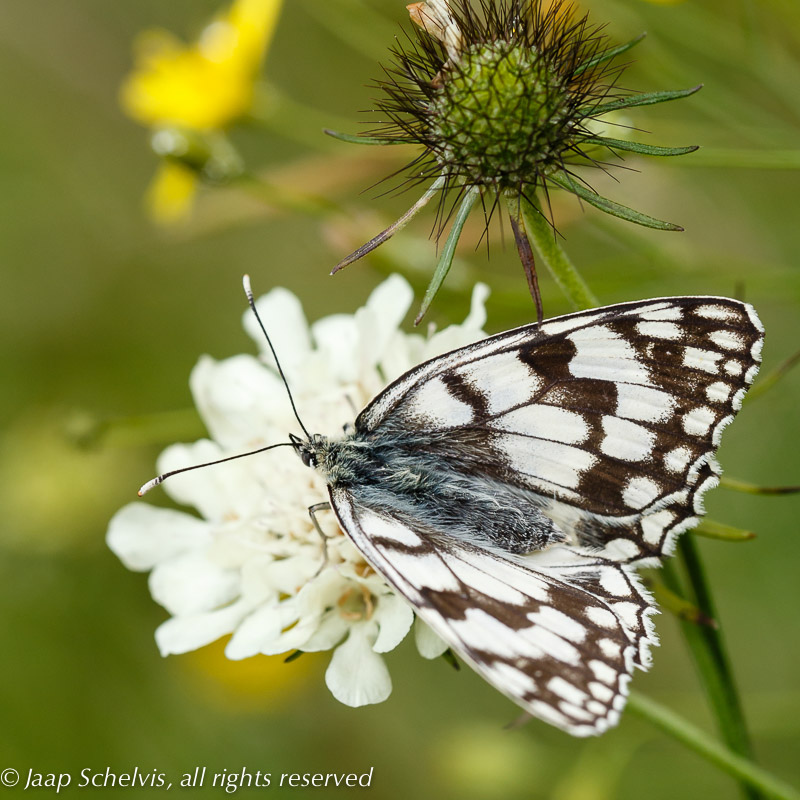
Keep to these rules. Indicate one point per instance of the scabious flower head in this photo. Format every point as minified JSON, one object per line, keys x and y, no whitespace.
{"x":188,"y":94}
{"x":505,"y":98}
{"x":498,"y":97}
{"x":249,"y":562}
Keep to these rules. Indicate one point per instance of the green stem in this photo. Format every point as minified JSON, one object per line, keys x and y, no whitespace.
{"x":760,"y":782}
{"x":708,"y":651}
{"x":705,"y":641}
{"x":557,"y":261}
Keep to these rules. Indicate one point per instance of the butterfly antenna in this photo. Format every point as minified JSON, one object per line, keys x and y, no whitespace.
{"x":161,"y":478}
{"x":249,"y":292}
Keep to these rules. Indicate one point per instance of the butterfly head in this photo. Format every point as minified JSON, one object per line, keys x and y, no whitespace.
{"x":305,"y":449}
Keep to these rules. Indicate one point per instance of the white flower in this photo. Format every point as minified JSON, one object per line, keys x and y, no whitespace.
{"x":251,"y":564}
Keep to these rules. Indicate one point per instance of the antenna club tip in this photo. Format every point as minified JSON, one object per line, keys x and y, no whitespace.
{"x":150,"y":485}
{"x":246,"y":283}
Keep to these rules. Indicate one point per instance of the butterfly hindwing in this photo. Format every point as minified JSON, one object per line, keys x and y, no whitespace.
{"x":611,"y":416}
{"x":558,"y":632}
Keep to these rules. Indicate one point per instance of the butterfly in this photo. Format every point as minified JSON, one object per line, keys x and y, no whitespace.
{"x":509,"y":489}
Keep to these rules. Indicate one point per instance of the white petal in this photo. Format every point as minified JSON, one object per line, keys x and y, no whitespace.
{"x":294,"y":638}
{"x":141,"y":535}
{"x":182,"y":634}
{"x":379,"y":320}
{"x":357,"y":675}
{"x":332,"y":629}
{"x":402,"y":353}
{"x":476,"y":318}
{"x":223,"y":492}
{"x":256,"y":633}
{"x":289,"y":575}
{"x":283,"y":317}
{"x":240,"y":400}
{"x":190,"y":584}
{"x":429,"y":644}
{"x":336,"y":338}
{"x":468,"y":332}
{"x":394,"y":617}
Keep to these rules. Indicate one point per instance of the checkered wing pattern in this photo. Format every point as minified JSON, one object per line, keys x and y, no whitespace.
{"x":558,"y":632}
{"x":611,"y":416}
{"x":553,"y":460}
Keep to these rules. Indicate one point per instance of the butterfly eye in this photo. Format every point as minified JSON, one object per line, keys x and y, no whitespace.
{"x":309,"y":459}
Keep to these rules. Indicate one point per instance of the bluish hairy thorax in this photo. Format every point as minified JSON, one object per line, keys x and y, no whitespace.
{"x":432,"y":482}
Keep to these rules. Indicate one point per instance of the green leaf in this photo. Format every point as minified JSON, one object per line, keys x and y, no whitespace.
{"x":752,"y":488}
{"x":355,"y":138}
{"x":609,"y":206}
{"x":450,"y":657}
{"x":679,"y":606}
{"x":644,"y":99}
{"x":398,"y":225}
{"x":293,"y":656}
{"x":607,"y":55}
{"x":719,"y":530}
{"x":638,"y":147}
{"x":562,"y":269}
{"x":449,"y":251}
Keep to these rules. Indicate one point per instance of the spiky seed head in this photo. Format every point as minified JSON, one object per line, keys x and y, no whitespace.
{"x":506,"y":105}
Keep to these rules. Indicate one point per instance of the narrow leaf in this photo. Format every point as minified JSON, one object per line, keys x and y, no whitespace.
{"x":607,"y":55}
{"x":609,"y":206}
{"x":637,"y":147}
{"x":355,"y":138}
{"x":752,"y":488}
{"x":449,"y":251}
{"x":768,"y":381}
{"x":450,"y":657}
{"x":293,"y":656}
{"x":719,"y":530}
{"x":387,"y":234}
{"x":643,"y":99}
{"x":679,"y":606}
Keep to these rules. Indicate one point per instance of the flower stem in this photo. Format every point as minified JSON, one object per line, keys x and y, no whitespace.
{"x":705,"y":641}
{"x":557,"y":261}
{"x":760,"y":782}
{"x":708,"y":650}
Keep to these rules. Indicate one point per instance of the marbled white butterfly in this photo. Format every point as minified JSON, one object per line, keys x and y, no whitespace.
{"x":508,"y":489}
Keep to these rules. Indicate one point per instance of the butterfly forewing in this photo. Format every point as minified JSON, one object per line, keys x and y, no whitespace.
{"x":611,"y":416}
{"x":558,"y":632}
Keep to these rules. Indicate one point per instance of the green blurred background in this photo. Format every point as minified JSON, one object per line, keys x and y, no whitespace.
{"x":104,"y":314}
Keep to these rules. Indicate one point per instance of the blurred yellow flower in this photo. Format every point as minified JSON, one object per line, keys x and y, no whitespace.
{"x":200,"y":87}
{"x":170,"y":195}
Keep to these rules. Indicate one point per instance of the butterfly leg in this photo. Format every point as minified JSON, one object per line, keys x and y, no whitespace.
{"x":312,"y":512}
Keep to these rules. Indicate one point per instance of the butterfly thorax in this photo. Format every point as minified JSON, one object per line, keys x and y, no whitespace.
{"x":425,"y":480}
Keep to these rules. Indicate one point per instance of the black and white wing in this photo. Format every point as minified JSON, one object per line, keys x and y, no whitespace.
{"x":558,"y":632}
{"x":610,"y":416}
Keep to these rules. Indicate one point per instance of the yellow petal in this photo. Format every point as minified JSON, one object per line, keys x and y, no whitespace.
{"x":243,"y":34}
{"x":206,"y":86}
{"x":170,"y":196}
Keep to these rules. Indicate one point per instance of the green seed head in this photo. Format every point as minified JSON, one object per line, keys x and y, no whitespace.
{"x":499,"y":115}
